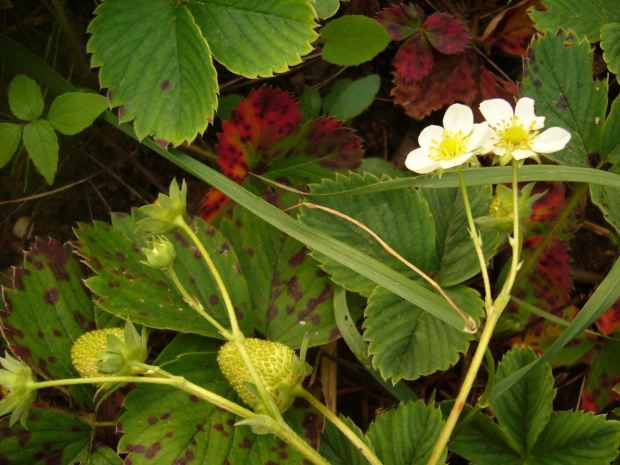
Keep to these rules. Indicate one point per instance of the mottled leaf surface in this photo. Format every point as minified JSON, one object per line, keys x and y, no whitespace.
{"x":256,"y":37}
{"x":406,"y":434}
{"x":126,"y":287}
{"x":47,"y":310}
{"x":565,"y":94}
{"x":292,"y":296}
{"x":400,"y":218}
{"x":585,"y":18}
{"x":165,"y":424}
{"x":264,"y":136}
{"x":155,"y":62}
{"x":407,"y":342}
{"x":52,"y":437}
{"x":604,"y":375}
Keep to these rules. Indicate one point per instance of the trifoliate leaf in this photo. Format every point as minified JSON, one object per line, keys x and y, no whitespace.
{"x":10,"y":135}
{"x":41,"y":143}
{"x":73,"y":112}
{"x":25,"y":98}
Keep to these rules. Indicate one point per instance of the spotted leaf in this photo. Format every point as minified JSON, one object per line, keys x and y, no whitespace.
{"x":47,"y":309}
{"x":604,"y":375}
{"x":446,"y":33}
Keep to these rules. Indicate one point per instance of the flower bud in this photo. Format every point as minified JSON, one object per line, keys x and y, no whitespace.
{"x":160,"y":253}
{"x":167,"y":212}
{"x":18,"y":389}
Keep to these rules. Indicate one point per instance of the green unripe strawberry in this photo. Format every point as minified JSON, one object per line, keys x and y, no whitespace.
{"x":87,"y":349}
{"x":277,"y":365}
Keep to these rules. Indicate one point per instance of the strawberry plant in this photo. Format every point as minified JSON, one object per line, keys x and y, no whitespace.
{"x":393,"y":239}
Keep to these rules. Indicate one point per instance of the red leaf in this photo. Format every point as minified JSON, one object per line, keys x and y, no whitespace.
{"x":609,"y":322}
{"x":214,"y":205}
{"x":446,"y":33}
{"x":512,"y":29}
{"x":264,"y":118}
{"x":401,"y":21}
{"x":492,"y":86}
{"x":549,"y":205}
{"x":414,"y":60}
{"x":449,"y":81}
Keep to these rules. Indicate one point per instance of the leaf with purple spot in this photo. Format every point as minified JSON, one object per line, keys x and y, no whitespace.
{"x":292,"y":296}
{"x":52,"y":437}
{"x":164,"y":424}
{"x":126,"y":287}
{"x":47,"y":310}
{"x":401,"y":21}
{"x":604,"y":375}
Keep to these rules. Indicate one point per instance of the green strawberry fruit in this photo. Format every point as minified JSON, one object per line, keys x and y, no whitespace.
{"x":277,"y":365}
{"x":87,"y":349}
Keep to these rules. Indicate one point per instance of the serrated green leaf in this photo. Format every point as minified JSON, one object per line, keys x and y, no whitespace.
{"x":585,"y":18}
{"x":325,"y":8}
{"x":157,"y":66}
{"x":481,"y":441}
{"x":254,"y":37}
{"x":407,"y":342}
{"x":606,"y":198}
{"x":73,"y":112}
{"x":415,"y":241}
{"x":10,"y":135}
{"x":352,"y":40}
{"x":42,"y":145}
{"x":610,"y":43}
{"x":338,"y":449}
{"x":458,"y":259}
{"x":52,"y":437}
{"x":103,"y":455}
{"x":351,"y":99}
{"x":557,"y":77}
{"x":309,"y":104}
{"x":577,"y":438}
{"x":292,"y":296}
{"x":525,"y":409}
{"x":47,"y":310}
{"x":610,"y":136}
{"x":167,"y":424}
{"x":128,"y":288}
{"x":25,"y":98}
{"x":406,"y":434}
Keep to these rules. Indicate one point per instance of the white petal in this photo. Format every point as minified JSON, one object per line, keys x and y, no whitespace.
{"x":495,"y":111}
{"x":458,"y":118}
{"x":430,"y":134}
{"x":488,"y":144}
{"x":539,"y":122}
{"x":445,"y":164}
{"x":480,"y":136}
{"x":520,"y":154}
{"x":525,"y":111}
{"x":419,"y":162}
{"x":552,"y":140}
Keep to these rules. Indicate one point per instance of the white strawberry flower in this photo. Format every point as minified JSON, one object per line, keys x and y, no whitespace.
{"x":516,"y":133}
{"x":449,"y":146}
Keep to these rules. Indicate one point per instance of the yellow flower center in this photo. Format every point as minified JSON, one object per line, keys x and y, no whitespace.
{"x":514,"y":135}
{"x":452,"y":145}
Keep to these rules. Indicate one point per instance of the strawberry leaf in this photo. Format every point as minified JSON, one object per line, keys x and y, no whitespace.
{"x":401,"y":21}
{"x":604,"y":375}
{"x":414,"y":60}
{"x":446,"y":33}
{"x":609,"y":322}
{"x":449,"y":81}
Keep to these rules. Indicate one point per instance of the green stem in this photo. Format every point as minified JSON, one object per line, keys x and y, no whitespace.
{"x":354,"y":438}
{"x":178,"y":382}
{"x":197,"y":306}
{"x":238,"y":337}
{"x":444,"y":437}
{"x":493,"y":315}
{"x":477,"y":240}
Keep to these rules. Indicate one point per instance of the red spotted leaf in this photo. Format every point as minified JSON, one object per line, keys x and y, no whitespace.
{"x":401,"y":21}
{"x":609,"y":322}
{"x":604,"y":375}
{"x":512,"y":29}
{"x":264,"y":136}
{"x":414,"y":60}
{"x":450,"y":81}
{"x":446,"y":33}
